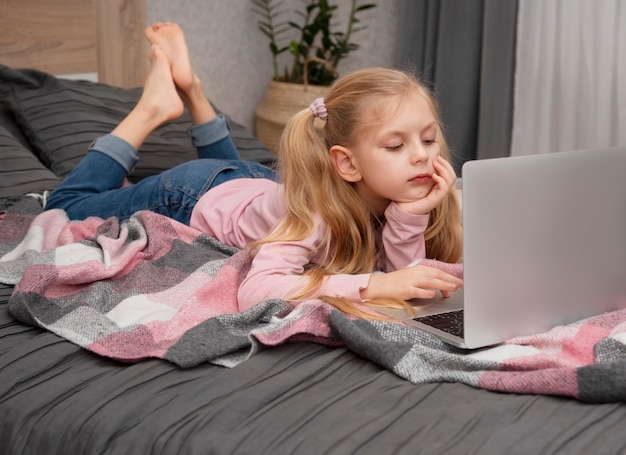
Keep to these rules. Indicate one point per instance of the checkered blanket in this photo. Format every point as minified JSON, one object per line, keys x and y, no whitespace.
{"x":150,"y":287}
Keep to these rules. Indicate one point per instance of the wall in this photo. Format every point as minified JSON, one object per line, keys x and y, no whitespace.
{"x":232,"y":58}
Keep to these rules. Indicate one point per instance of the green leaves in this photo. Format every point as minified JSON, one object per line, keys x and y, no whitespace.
{"x":272,"y":27}
{"x":319,"y":49}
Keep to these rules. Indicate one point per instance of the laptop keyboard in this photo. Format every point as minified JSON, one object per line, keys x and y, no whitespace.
{"x":450,"y":322}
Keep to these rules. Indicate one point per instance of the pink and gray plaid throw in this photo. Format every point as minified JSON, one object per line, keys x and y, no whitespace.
{"x":150,"y":287}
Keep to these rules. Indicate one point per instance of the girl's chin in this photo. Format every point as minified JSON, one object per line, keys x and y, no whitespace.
{"x":417,"y":194}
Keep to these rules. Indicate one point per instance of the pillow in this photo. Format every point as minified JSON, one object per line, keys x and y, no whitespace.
{"x":60,"y":118}
{"x":20,"y":170}
{"x":7,"y":121}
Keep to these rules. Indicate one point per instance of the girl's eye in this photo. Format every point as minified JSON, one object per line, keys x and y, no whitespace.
{"x":394,"y":148}
{"x":429,"y":141}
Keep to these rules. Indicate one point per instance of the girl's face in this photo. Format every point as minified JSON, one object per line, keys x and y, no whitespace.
{"x":395,"y":158}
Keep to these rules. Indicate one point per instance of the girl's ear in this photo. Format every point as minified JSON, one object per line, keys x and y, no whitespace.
{"x":343,"y":160}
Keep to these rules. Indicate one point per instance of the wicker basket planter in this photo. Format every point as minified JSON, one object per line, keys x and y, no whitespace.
{"x":281,"y":101}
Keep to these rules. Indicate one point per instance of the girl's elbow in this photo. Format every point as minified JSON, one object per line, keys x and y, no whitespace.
{"x":251,"y":293}
{"x":245,"y":300}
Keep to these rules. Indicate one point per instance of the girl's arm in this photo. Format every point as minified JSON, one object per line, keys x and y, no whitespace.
{"x":276,"y":273}
{"x":277,"y":268}
{"x":403,"y":237}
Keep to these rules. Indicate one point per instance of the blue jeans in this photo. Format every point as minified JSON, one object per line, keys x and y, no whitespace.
{"x":93,"y":188}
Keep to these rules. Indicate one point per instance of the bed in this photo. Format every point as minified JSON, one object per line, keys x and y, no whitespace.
{"x":277,"y":379}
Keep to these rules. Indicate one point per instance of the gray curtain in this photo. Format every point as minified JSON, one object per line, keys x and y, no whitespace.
{"x":465,"y":49}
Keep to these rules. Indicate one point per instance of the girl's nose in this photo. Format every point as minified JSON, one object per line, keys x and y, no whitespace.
{"x":419,"y":153}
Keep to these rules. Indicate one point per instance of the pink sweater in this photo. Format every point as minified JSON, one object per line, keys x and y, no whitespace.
{"x":244,"y":210}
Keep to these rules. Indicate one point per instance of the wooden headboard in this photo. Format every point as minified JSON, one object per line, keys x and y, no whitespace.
{"x":65,"y":37}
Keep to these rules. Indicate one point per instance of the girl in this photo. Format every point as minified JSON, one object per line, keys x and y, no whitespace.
{"x":373,"y":192}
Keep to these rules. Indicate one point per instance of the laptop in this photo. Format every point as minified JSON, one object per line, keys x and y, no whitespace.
{"x":544,"y":244}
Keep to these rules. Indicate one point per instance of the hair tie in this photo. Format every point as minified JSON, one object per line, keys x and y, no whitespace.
{"x":319,"y":109}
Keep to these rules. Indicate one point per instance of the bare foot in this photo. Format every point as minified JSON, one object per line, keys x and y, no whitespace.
{"x":159,"y":102}
{"x":170,"y":37}
{"x":159,"y":91}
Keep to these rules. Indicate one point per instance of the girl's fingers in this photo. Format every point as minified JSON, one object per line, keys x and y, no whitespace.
{"x":432,"y":278}
{"x":446,"y":170}
{"x":424,"y":293}
{"x":445,"y":286}
{"x":438,"y":178}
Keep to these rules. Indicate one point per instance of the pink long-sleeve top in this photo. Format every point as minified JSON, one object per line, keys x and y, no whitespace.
{"x":241,"y":211}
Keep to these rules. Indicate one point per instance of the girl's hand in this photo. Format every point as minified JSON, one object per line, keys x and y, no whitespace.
{"x":419,"y":281}
{"x":444,"y":177}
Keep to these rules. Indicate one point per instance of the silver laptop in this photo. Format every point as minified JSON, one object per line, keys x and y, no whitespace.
{"x":544,"y":244}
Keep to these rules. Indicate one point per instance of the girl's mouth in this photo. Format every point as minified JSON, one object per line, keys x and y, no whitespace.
{"x":421,"y":179}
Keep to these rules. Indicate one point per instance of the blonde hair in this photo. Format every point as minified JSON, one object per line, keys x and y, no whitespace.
{"x":314,"y":190}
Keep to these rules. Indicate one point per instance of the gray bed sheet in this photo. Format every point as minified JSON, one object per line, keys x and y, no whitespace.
{"x":296,"y":398}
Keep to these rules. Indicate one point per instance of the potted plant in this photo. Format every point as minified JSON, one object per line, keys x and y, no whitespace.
{"x":316,"y":51}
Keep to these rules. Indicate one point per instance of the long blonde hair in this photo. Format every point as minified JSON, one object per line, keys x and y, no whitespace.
{"x":314,"y":190}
